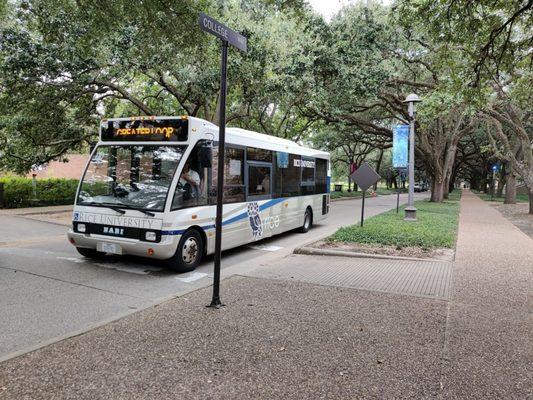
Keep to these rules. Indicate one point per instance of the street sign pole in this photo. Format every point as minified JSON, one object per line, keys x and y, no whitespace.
{"x":397,"y":200}
{"x":493,"y":184}
{"x":227,"y":37}
{"x":215,"y":301}
{"x":363,"y":208}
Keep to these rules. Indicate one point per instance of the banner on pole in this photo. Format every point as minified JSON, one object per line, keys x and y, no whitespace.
{"x":400,"y":146}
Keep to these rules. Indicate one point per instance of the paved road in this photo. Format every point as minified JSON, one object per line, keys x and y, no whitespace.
{"x":48,"y":291}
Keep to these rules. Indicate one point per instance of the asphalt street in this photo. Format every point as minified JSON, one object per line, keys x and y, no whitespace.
{"x":48,"y":291}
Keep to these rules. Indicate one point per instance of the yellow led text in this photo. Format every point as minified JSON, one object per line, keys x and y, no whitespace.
{"x":167,"y":131}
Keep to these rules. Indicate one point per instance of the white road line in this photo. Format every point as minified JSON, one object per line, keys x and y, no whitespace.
{"x":265,"y":247}
{"x":77,"y":260}
{"x":143,"y":270}
{"x":192,"y":277}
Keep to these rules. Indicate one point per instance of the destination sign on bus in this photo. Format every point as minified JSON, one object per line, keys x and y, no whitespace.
{"x":145,"y":130}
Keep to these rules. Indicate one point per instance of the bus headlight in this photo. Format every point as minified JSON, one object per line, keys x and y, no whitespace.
{"x":150,"y":236}
{"x":82,"y":228}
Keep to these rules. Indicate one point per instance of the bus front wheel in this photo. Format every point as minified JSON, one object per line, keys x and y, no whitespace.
{"x":308,"y":221}
{"x":189,"y":252}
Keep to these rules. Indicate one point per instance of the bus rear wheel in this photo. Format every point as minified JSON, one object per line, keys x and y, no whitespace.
{"x":189,"y":252}
{"x":308,"y":221}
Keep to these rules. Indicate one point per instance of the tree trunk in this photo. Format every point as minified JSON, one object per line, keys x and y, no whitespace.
{"x":484,"y":185}
{"x":437,"y":191}
{"x":510,"y":189}
{"x":446,"y":188}
{"x":502,"y":179}
{"x":378,"y":166}
{"x":499,"y":188}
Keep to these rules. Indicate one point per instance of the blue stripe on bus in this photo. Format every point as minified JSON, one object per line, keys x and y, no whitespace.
{"x":328,"y":184}
{"x":238,"y":217}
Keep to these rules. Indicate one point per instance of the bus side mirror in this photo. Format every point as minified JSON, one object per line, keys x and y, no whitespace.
{"x":92,"y":145}
{"x":205,"y":155}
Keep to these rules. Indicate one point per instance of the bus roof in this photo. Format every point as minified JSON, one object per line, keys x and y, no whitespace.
{"x":239,"y":136}
{"x":255,"y":139}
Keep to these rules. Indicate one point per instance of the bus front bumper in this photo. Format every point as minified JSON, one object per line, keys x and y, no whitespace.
{"x":162,"y":250}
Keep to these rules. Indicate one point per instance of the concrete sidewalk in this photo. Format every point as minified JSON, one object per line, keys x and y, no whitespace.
{"x":488,"y":352}
{"x":343,"y":330}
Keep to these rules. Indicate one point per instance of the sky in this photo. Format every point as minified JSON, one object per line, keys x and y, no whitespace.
{"x":328,"y":8}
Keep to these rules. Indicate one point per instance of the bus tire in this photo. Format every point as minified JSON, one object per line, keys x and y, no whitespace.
{"x":89,"y":253}
{"x":189,"y":252}
{"x":308,"y":220}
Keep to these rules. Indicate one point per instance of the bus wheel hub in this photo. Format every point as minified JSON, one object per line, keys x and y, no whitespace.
{"x":190,"y":250}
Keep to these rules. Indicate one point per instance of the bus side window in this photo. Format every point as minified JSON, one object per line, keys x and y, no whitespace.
{"x":234,"y":189}
{"x":191,"y":190}
{"x":308,"y":175}
{"x":290,"y":177}
{"x":321,"y":177}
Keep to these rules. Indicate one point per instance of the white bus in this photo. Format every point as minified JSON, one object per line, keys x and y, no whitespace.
{"x":149,"y":189}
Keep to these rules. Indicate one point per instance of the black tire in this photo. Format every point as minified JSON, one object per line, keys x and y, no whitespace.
{"x":308,"y":221}
{"x":89,"y":253}
{"x":189,"y":252}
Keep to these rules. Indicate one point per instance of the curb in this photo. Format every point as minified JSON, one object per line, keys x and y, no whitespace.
{"x":342,"y":253}
{"x":34,"y":211}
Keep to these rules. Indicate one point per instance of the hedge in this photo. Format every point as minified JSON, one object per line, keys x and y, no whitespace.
{"x":18,"y":192}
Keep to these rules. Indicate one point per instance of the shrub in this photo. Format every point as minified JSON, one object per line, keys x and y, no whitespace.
{"x":18,"y":192}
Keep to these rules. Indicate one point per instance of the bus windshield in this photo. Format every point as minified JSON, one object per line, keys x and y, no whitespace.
{"x":135,"y":177}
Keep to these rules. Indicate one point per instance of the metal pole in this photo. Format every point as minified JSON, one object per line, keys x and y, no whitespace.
{"x":410,"y":210}
{"x":397,"y":200}
{"x":493,"y":185}
{"x":215,"y":301}
{"x":363,"y":209}
{"x":2,"y":195}
{"x":34,"y":186}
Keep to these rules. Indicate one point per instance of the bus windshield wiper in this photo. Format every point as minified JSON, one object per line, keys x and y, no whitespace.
{"x":149,"y":213}
{"x":108,"y":205}
{"x":118,"y":209}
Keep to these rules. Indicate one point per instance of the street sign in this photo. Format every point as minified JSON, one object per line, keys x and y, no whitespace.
{"x":400,"y":140}
{"x":228,"y":36}
{"x":221,"y":31}
{"x":365,"y":176}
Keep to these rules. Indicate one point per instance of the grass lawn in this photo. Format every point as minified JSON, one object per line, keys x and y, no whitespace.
{"x":436,"y":227}
{"x":520,"y":198}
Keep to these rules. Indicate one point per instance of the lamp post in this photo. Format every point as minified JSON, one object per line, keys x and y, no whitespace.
{"x":410,"y":210}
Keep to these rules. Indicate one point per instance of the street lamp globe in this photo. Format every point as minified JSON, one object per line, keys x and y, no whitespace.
{"x":412,"y":99}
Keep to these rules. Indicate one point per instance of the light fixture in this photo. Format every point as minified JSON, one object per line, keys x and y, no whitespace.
{"x":150,"y":236}
{"x":82,"y":228}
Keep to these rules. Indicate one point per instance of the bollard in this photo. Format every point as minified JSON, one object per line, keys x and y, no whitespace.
{"x":2,"y":201}
{"x":34,"y":186}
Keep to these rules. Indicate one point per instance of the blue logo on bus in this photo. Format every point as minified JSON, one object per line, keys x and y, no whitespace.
{"x":255,"y":220}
